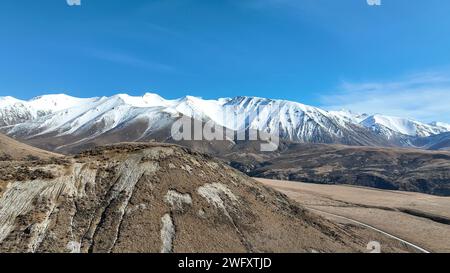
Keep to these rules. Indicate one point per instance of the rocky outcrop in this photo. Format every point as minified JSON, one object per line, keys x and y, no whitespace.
{"x":155,"y":198}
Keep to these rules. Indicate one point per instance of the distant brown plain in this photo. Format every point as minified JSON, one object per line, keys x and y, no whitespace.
{"x":421,"y":219}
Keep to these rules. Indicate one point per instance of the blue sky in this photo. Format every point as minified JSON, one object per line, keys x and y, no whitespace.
{"x":325,"y":53}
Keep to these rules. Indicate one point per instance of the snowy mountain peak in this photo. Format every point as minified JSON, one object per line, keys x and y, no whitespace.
{"x":59,"y":96}
{"x":146,"y":101}
{"x":55,"y":102}
{"x":350,"y":116}
{"x":8,"y":100}
{"x":153,"y":97}
{"x":60,"y":115}
{"x":446,"y":126}
{"x":400,"y":125}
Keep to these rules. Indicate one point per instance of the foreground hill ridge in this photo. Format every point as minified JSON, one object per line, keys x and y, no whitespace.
{"x":155,"y":198}
{"x":11,"y":149}
{"x":61,"y":115}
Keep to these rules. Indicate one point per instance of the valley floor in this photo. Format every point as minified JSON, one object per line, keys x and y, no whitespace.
{"x":423,"y":221}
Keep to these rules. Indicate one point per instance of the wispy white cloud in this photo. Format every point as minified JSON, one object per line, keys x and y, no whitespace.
{"x":425,"y":97}
{"x":130,"y":60}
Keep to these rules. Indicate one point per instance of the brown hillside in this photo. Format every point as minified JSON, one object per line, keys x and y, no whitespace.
{"x":156,"y":198}
{"x":11,"y":149}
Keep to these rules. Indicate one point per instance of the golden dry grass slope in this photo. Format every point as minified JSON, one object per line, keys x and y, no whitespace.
{"x":418,"y":218}
{"x":11,"y":149}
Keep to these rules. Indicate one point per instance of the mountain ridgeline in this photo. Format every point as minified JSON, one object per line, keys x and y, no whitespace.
{"x":62,"y":123}
{"x":332,"y":147}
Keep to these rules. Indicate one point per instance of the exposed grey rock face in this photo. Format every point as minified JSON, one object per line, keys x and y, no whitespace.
{"x":143,"y":198}
{"x":167,"y":233}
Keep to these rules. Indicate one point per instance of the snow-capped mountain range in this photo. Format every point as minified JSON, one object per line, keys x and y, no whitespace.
{"x":79,"y":120}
